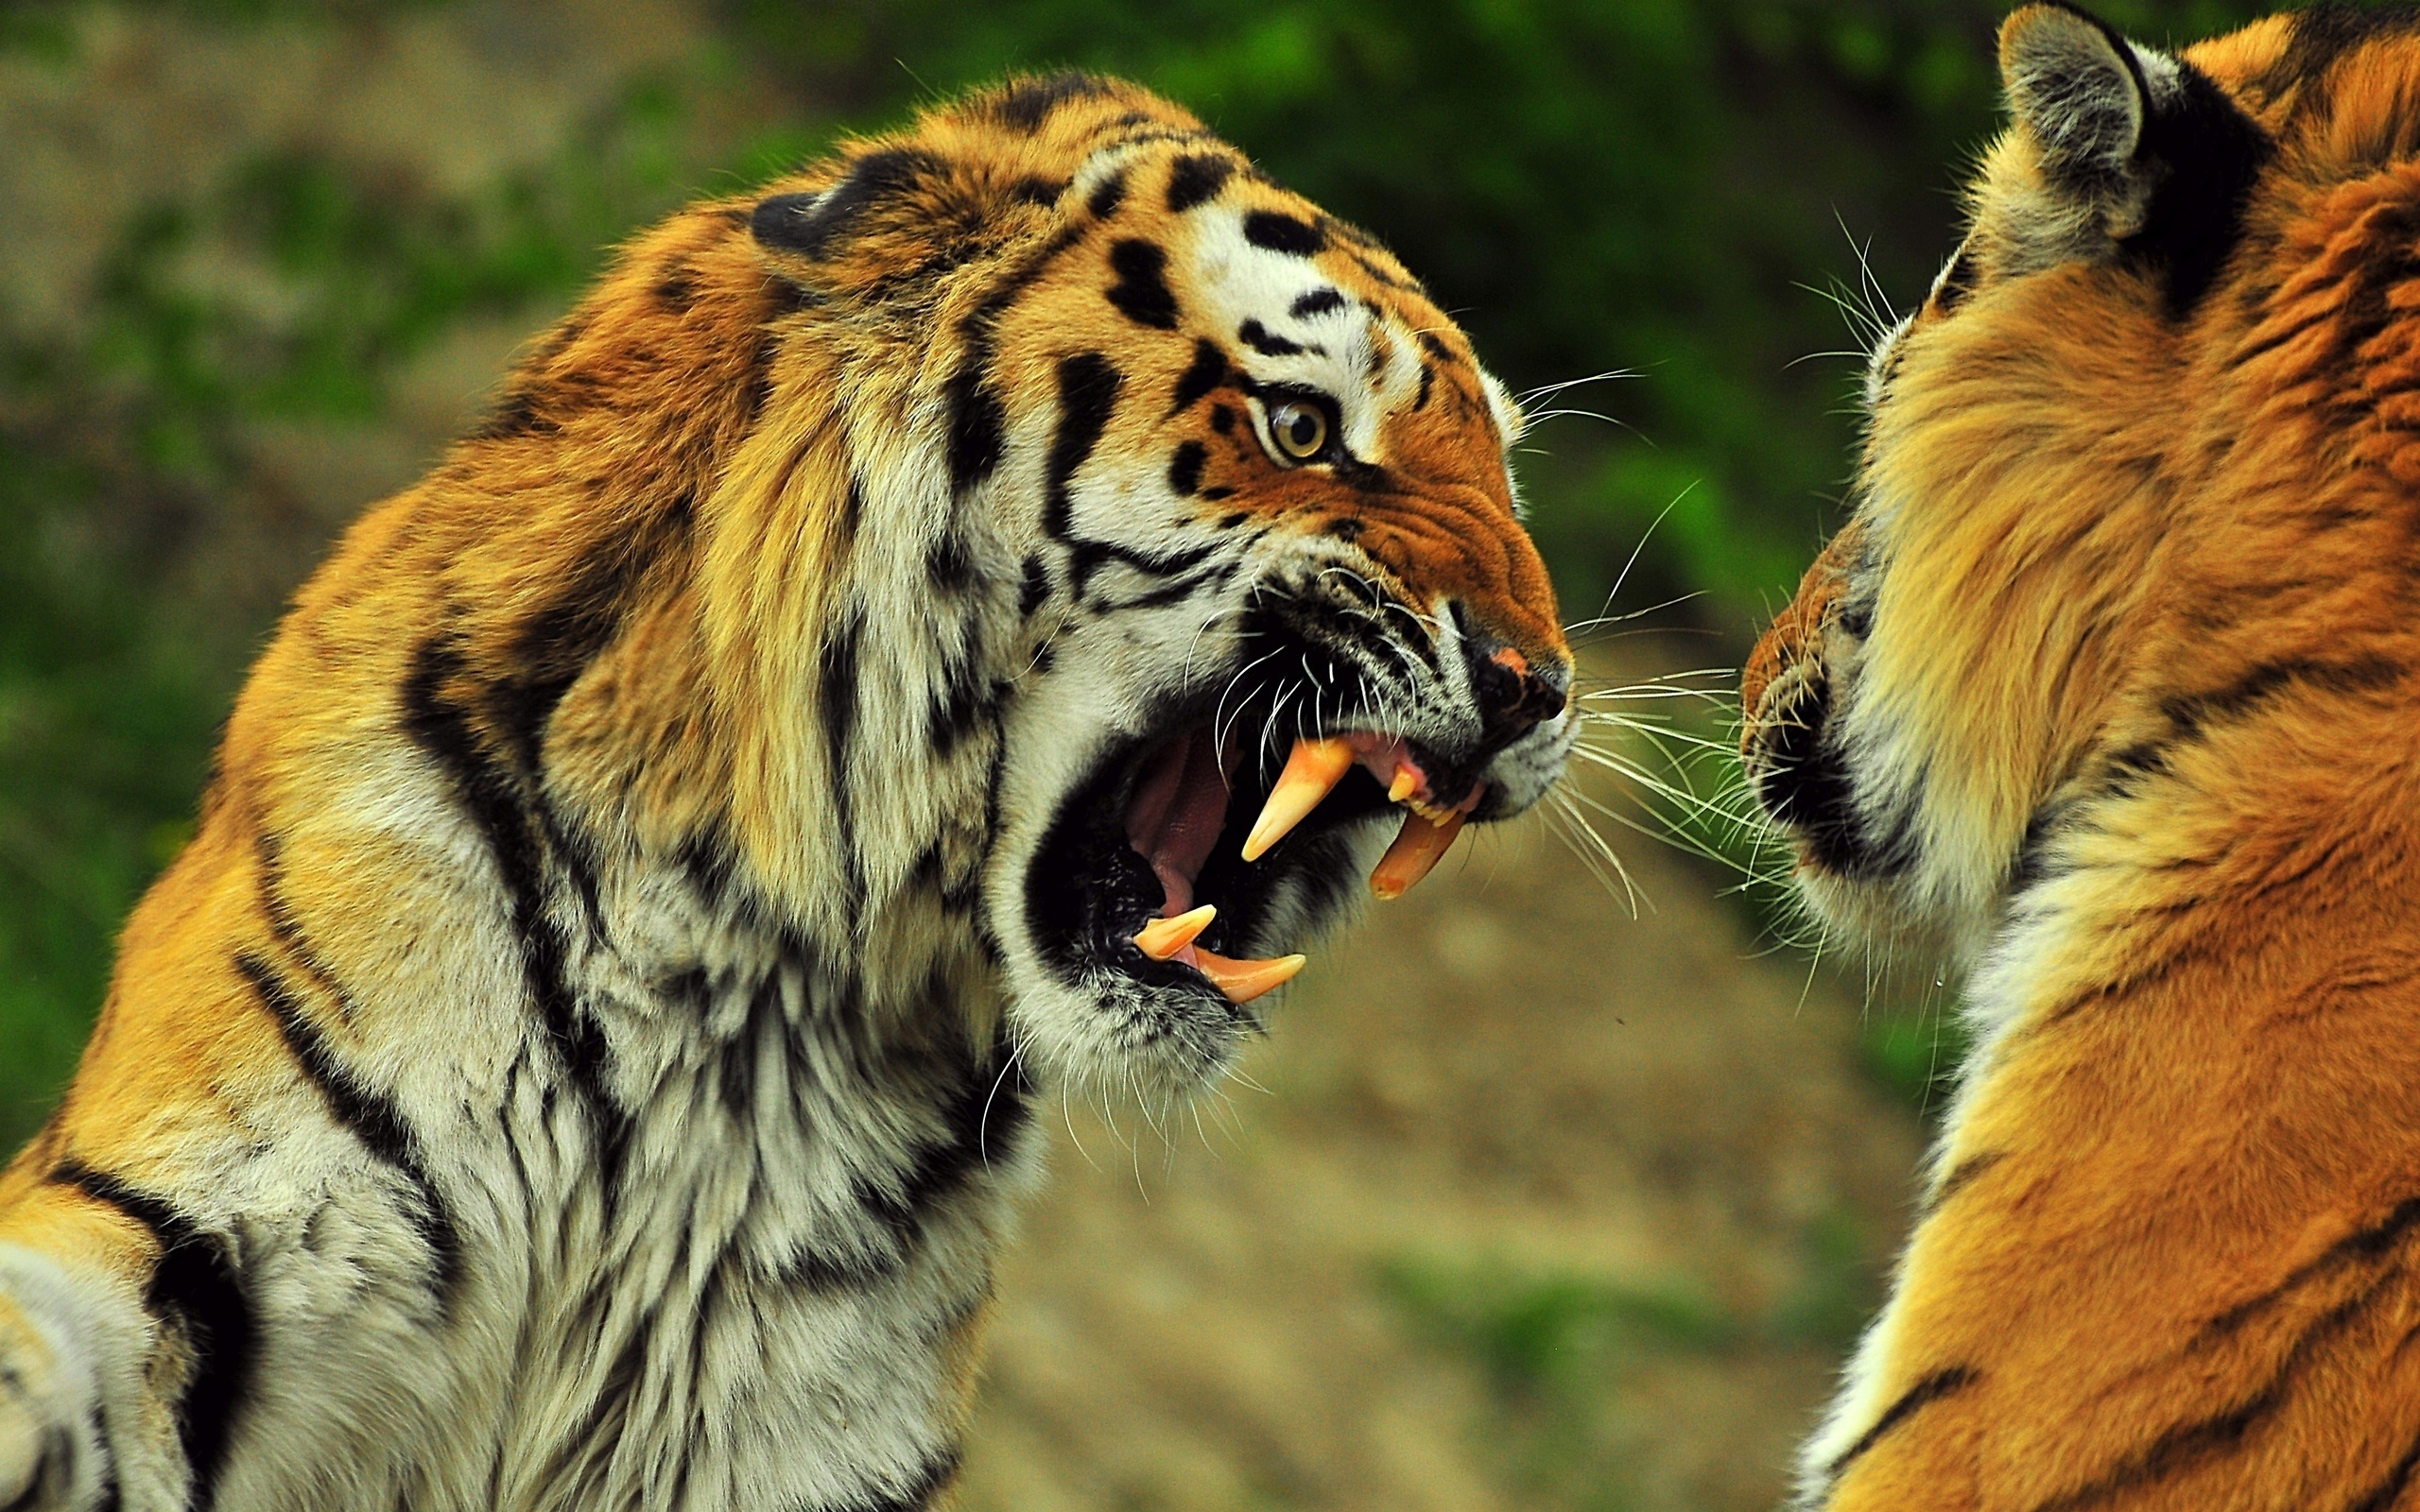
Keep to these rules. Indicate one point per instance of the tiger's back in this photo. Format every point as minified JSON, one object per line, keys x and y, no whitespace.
{"x":2106,"y":691}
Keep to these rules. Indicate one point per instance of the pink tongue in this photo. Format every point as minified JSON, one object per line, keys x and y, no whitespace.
{"x":1176,"y":816}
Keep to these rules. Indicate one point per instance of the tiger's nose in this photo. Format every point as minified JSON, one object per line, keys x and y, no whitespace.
{"x":1513,"y":697}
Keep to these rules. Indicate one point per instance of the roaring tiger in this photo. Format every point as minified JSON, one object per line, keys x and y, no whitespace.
{"x":2111,"y":688}
{"x":936,"y":629}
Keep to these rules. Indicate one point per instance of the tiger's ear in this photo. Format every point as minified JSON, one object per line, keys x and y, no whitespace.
{"x":2078,"y":91}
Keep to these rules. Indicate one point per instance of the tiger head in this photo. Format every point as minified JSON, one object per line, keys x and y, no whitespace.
{"x":1167,"y":568}
{"x":2136,"y":470}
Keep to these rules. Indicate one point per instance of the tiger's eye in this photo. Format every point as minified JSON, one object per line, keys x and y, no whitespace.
{"x":1300,"y":430}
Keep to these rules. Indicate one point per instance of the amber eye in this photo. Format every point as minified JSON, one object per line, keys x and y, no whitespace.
{"x":1298,"y":428}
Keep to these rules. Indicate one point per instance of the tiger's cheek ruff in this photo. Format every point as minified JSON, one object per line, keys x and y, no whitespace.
{"x":2105,"y":695}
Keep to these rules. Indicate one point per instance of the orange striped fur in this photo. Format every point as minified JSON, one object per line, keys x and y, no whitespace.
{"x":2108,"y":692}
{"x":585,"y":1057}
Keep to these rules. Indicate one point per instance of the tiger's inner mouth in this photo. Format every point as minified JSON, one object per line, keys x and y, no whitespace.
{"x":1174,"y":854}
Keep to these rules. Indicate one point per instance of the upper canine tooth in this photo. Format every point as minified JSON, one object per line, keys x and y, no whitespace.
{"x":1162,"y":937}
{"x":1311,"y":774}
{"x":1403,"y":786}
{"x":1418,"y":847}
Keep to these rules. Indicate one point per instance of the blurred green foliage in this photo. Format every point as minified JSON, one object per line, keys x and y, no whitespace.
{"x":1564,"y":1354}
{"x":1660,"y":187}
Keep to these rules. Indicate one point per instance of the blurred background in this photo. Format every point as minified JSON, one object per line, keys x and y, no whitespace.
{"x":1555,"y":1189}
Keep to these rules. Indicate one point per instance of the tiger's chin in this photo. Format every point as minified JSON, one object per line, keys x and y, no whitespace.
{"x":1180,"y":872}
{"x":1873,"y":879}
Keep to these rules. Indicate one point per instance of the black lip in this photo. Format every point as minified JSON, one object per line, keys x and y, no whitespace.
{"x":1802,"y":781}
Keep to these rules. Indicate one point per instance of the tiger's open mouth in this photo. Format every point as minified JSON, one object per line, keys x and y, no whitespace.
{"x":1179,"y":860}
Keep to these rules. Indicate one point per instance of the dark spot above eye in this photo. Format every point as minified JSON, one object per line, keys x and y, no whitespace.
{"x":1195,"y":178}
{"x":1142,"y":289}
{"x":1036,"y":190}
{"x":1266,"y":342}
{"x":1107,"y":196}
{"x":1276,"y":233}
{"x":1209,"y":369}
{"x":1222,"y":419}
{"x":1344,"y":527}
{"x":1317,"y":301}
{"x":1435,"y":346}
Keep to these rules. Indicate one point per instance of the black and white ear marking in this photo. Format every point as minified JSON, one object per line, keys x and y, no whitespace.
{"x":2080,"y":91}
{"x":782,"y":220}
{"x":2143,"y":157}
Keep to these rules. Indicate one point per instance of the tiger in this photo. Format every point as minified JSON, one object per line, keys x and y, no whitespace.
{"x":2105,"y":695}
{"x":946,"y":625}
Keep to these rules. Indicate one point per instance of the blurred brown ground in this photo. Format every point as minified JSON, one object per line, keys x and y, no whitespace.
{"x":1503,"y":1084}
{"x":1504,"y":1073}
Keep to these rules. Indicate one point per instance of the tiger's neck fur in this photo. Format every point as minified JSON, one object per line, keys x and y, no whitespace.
{"x":690,"y":744}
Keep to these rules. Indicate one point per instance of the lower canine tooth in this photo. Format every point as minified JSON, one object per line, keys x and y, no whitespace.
{"x":1162,"y":937}
{"x":1243,"y":981}
{"x":1418,"y":847}
{"x":1311,"y":774}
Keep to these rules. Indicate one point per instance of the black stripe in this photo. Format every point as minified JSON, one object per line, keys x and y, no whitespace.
{"x":837,"y":703}
{"x":2361,"y":1244}
{"x":1185,"y":468}
{"x":1932,"y":1388}
{"x":1317,"y":301}
{"x":2191,"y":716}
{"x":677,"y":290}
{"x":2389,"y":1489}
{"x":1266,"y":342}
{"x":556,"y":646}
{"x":488,"y":795}
{"x":1195,"y":178}
{"x":1036,"y":190}
{"x":2221,"y":1434}
{"x":112,"y":1497}
{"x":286,"y":928}
{"x":949,"y":564}
{"x":1088,"y":386}
{"x":977,"y":420}
{"x":1141,"y":292}
{"x":1207,"y":371}
{"x":985,"y":1118}
{"x":1107,"y":196}
{"x":2323,"y":34}
{"x":1026,"y":104}
{"x":966,"y":701}
{"x":1276,"y":233}
{"x":1035,"y":588}
{"x":1960,"y":1176}
{"x":196,"y":1287}
{"x":1428,"y":384}
{"x":371,"y":1118}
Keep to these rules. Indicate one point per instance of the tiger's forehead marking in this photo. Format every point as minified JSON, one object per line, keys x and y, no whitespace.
{"x":1201,"y":240}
